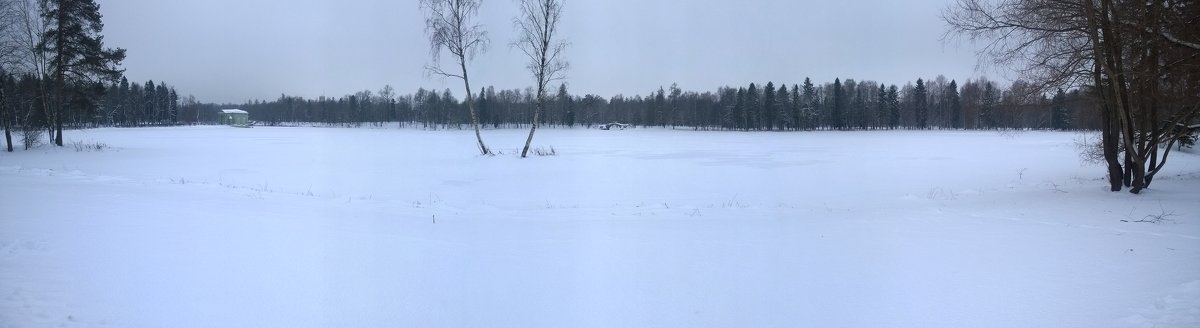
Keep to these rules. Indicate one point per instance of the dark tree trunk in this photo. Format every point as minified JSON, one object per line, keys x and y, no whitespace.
{"x":60,"y":74}
{"x":1108,"y":140}
{"x":6,"y":114}
{"x":8,"y":136}
{"x":1110,"y":134}
{"x":58,"y":127}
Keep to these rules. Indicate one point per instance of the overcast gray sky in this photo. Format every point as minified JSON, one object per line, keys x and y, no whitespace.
{"x":237,"y":50}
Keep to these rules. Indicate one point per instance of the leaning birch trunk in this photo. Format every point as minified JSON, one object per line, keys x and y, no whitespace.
{"x":483,"y":149}
{"x":533,"y":128}
{"x":537,"y":25}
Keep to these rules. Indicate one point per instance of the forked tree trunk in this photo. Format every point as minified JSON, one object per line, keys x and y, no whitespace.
{"x":1110,"y":134}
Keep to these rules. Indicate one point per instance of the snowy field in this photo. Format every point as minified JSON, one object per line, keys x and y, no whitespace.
{"x":336,"y":227}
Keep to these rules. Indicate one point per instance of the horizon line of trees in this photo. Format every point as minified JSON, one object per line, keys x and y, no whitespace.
{"x":839,"y":105}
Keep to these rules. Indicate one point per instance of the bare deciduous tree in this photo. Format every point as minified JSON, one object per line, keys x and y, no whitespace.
{"x":450,"y":25}
{"x":1139,"y":59}
{"x":15,"y":53}
{"x":537,"y":26}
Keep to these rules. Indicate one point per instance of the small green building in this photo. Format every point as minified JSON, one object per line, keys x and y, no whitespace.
{"x":234,"y":117}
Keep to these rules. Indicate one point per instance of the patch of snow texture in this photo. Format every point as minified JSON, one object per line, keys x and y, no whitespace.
{"x":330,"y":227}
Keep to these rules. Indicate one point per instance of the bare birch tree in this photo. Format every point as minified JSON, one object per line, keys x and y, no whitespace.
{"x":9,"y":56}
{"x":27,"y":35}
{"x":450,"y":25}
{"x":537,"y":26}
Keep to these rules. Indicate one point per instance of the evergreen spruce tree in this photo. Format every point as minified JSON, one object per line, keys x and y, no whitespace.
{"x":810,"y":104}
{"x":839,"y":104}
{"x":173,"y":101}
{"x":739,"y":107}
{"x":150,"y":106}
{"x":783,"y":108}
{"x":563,"y":100}
{"x":987,"y":115}
{"x":660,"y":104}
{"x":955,"y":103}
{"x":753,"y":107}
{"x":849,"y":105}
{"x":860,"y":106}
{"x":893,"y":107}
{"x":797,"y":108}
{"x":881,"y":112}
{"x":673,"y":104}
{"x":729,"y":100}
{"x":1060,"y":118}
{"x":921,"y":105}
{"x":768,"y":113}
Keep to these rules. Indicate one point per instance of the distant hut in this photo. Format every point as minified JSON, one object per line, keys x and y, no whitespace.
{"x":235,"y":117}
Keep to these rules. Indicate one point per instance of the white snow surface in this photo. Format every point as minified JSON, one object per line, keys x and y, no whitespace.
{"x":343,"y":227}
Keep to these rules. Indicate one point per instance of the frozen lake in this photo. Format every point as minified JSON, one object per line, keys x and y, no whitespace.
{"x":339,"y":227}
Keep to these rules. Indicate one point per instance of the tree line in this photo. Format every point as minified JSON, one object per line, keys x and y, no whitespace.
{"x":839,"y":105}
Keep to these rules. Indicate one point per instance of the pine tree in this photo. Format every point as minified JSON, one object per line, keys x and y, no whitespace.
{"x":76,"y":53}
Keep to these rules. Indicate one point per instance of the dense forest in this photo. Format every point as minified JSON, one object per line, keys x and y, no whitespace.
{"x":122,"y":104}
{"x":935,"y":104}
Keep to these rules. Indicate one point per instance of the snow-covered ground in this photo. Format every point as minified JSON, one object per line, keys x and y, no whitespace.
{"x":334,"y":227}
